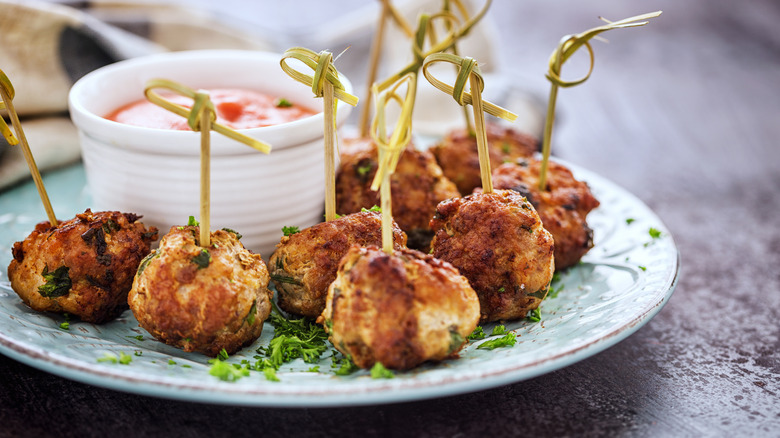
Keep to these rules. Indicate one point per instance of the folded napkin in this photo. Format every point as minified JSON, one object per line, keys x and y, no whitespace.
{"x":46,"y":47}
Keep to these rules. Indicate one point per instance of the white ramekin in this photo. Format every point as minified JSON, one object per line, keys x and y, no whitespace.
{"x":155,"y":172}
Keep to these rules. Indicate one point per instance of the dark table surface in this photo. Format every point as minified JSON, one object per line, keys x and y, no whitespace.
{"x":684,"y":113}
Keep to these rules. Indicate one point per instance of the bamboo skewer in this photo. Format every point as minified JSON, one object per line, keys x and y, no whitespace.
{"x":325,"y":83}
{"x":468,"y":71}
{"x":201,"y":117}
{"x":7,"y":92}
{"x":568,"y":45}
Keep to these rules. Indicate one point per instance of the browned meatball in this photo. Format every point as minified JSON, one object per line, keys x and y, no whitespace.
{"x":563,"y":206}
{"x":497,"y":241}
{"x":400,"y":310}
{"x":202,"y":299}
{"x":417,"y":186}
{"x":83,"y":267}
{"x":304,"y":264}
{"x":457,"y":153}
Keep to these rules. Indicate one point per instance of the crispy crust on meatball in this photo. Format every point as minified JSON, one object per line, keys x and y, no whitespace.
{"x":457,"y":153}
{"x":497,"y":241}
{"x":563,"y":206}
{"x":200,"y":301}
{"x":305,"y":263}
{"x":98,"y":253}
{"x":400,"y":310}
{"x":417,"y":186}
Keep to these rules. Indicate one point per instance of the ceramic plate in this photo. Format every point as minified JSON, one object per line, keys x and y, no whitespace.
{"x":622,"y":283}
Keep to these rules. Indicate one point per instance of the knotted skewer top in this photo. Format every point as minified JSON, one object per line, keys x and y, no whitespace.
{"x":324,"y":70}
{"x":568,"y":45}
{"x":468,"y":71}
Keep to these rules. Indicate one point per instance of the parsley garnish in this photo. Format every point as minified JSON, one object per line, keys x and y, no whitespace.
{"x":136,"y":337}
{"x":202,"y":259}
{"x":534,"y":315}
{"x":507,"y":340}
{"x":378,"y":371}
{"x":477,"y":334}
{"x":630,"y":220}
{"x":345,"y":366}
{"x":363,"y":170}
{"x":285,"y":279}
{"x":57,"y":283}
{"x":655,"y":233}
{"x":238,"y":235}
{"x":145,"y":262}
{"x":270,"y":374}
{"x":282,"y":103}
{"x":498,"y":330}
{"x":124,"y":358}
{"x":191,"y":222}
{"x":223,"y":355}
{"x":227,"y":372}
{"x":375,"y":208}
{"x":643,"y":268}
{"x":289,"y":231}
{"x":250,"y":318}
{"x":65,"y":325}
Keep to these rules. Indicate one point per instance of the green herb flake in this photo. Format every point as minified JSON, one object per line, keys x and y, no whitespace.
{"x":250,"y":317}
{"x":643,"y":268}
{"x":507,"y":340}
{"x":145,"y":262}
{"x":202,"y":259}
{"x":171,"y":362}
{"x":110,"y":226}
{"x":186,"y":366}
{"x":109,"y":358}
{"x":236,"y":233}
{"x":270,"y":374}
{"x":456,"y":340}
{"x":477,"y":334}
{"x":505,"y":147}
{"x":192,"y":222}
{"x":314,"y":369}
{"x":378,"y":371}
{"x":363,"y":170}
{"x":57,"y":282}
{"x":376,"y":209}
{"x":345,"y":366}
{"x":630,"y":221}
{"x":500,"y":329}
{"x":138,"y":353}
{"x":534,"y":315}
{"x":289,"y":231}
{"x":227,"y":372}
{"x":124,"y":358}
{"x":223,"y":355}
{"x":136,"y":337}
{"x":282,"y":103}
{"x":65,"y":325}
{"x":655,"y":233}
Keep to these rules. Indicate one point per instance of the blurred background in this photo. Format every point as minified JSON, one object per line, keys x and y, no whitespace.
{"x":682,"y":112}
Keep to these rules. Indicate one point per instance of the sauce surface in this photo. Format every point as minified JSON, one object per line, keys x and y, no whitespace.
{"x":236,"y":108}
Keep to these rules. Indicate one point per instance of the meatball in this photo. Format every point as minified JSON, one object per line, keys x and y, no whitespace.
{"x":497,"y":241}
{"x":304,"y":264}
{"x":82,"y":267}
{"x":562,"y":206}
{"x":400,"y":310}
{"x":457,"y":153}
{"x":417,"y":186}
{"x":202,"y":299}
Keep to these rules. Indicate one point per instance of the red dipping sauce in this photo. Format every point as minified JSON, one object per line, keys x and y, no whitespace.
{"x":236,"y":108}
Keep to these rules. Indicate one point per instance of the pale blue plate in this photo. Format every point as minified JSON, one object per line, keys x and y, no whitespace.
{"x":622,"y":283}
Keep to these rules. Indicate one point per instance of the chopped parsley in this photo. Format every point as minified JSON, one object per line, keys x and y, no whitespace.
{"x":202,"y":259}
{"x":284,"y":279}
{"x":363,"y":170}
{"x":123,"y":359}
{"x":655,"y":233}
{"x":375,"y":208}
{"x":110,"y":226}
{"x":643,"y":268}
{"x":507,"y":340}
{"x":136,"y":337}
{"x":344,"y":365}
{"x":630,"y":221}
{"x":227,"y":372}
{"x":477,"y":334}
{"x":378,"y":371}
{"x":534,"y":315}
{"x":223,"y":355}
{"x":289,"y":231}
{"x":499,"y":329}
{"x":145,"y":262}
{"x":237,"y":234}
{"x":282,"y":103}
{"x":192,"y":222}
{"x":270,"y":374}
{"x":65,"y":325}
{"x":57,"y":282}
